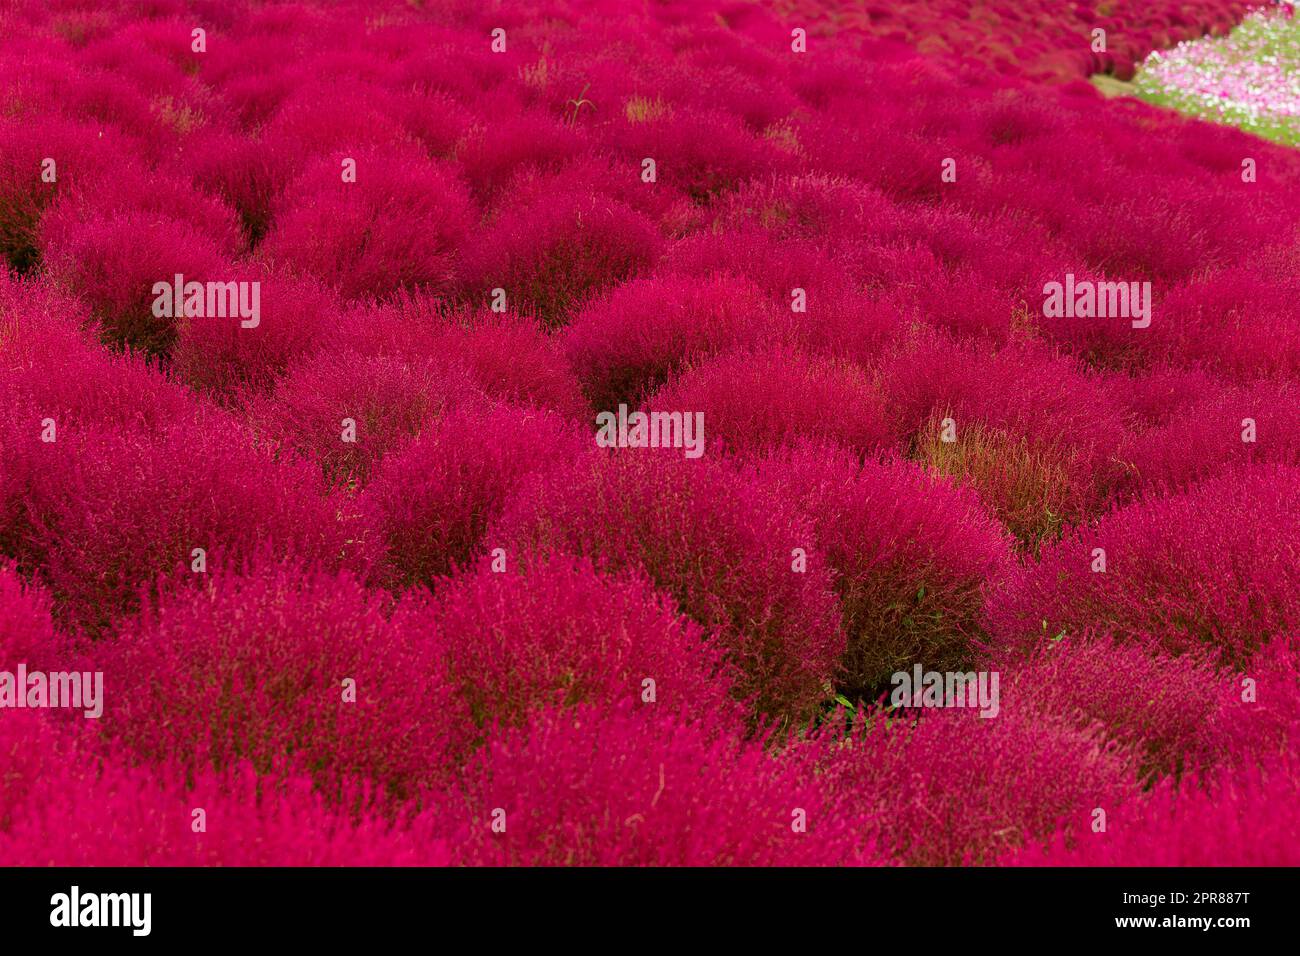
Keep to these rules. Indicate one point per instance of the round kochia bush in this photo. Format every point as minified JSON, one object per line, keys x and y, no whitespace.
{"x":114,"y":260}
{"x":116,"y":514}
{"x":700,"y":153}
{"x":1244,"y":818}
{"x":254,"y":668}
{"x":431,"y":503}
{"x":1168,"y":708}
{"x":626,"y":343}
{"x":125,"y":190}
{"x":752,"y":401}
{"x":1211,"y":566}
{"x":1031,"y":431}
{"x":557,"y":633}
{"x":27,"y":634}
{"x":62,"y":385}
{"x":552,"y":253}
{"x":64,"y":804}
{"x":512,"y":359}
{"x":387,"y":398}
{"x":618,"y":787}
{"x":717,"y":541}
{"x":222,"y":356}
{"x":80,"y":152}
{"x":1206,"y":435}
{"x":956,"y":788}
{"x":401,"y":225}
{"x":910,"y":555}
{"x":507,"y":355}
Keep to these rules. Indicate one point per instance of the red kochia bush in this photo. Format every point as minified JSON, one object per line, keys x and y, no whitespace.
{"x":756,"y":400}
{"x":328,"y":116}
{"x":620,"y":787}
{"x":50,"y":368}
{"x":126,"y":189}
{"x":1034,"y":434}
{"x":1211,"y":566}
{"x":717,"y":541}
{"x":511,"y":358}
{"x":1259,"y":717}
{"x":1243,"y":818}
{"x":389,"y":397}
{"x":774,"y":264}
{"x":221,"y":356}
{"x":432,"y":502}
{"x":55,"y":372}
{"x":597,"y":174}
{"x":1155,"y":396}
{"x":507,"y":355}
{"x":491,"y":156}
{"x":253,"y":668}
{"x":816,"y":207}
{"x":700,"y":153}
{"x":836,"y":318}
{"x":558,"y":633}
{"x":1238,"y":321}
{"x":61,"y":804}
{"x":78,"y":150}
{"x":248,"y":174}
{"x":114,"y":513}
{"x":27,"y":633}
{"x":955,"y":788}
{"x":626,"y":343}
{"x":114,"y":261}
{"x":1169,"y":707}
{"x":63,"y":389}
{"x":401,"y":225}
{"x":911,"y":555}
{"x":1206,"y":436}
{"x":1023,"y":389}
{"x":552,"y":253}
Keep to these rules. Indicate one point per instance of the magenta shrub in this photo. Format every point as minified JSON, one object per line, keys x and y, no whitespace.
{"x":954,"y":788}
{"x":224,"y":358}
{"x":626,"y":343}
{"x":255,"y":668}
{"x":718,"y":541}
{"x":27,"y":633}
{"x":432,"y":502}
{"x":552,"y":253}
{"x":756,"y":400}
{"x":388,"y":398}
{"x":1186,"y":570}
{"x":910,"y":557}
{"x":617,"y":787}
{"x":74,"y":808}
{"x":77,"y":152}
{"x":512,"y":359}
{"x":403,"y":224}
{"x":113,"y":261}
{"x":1240,"y":819}
{"x":1172,"y":707}
{"x":115,"y":515}
{"x":559,"y":634}
{"x":1217,"y":429}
